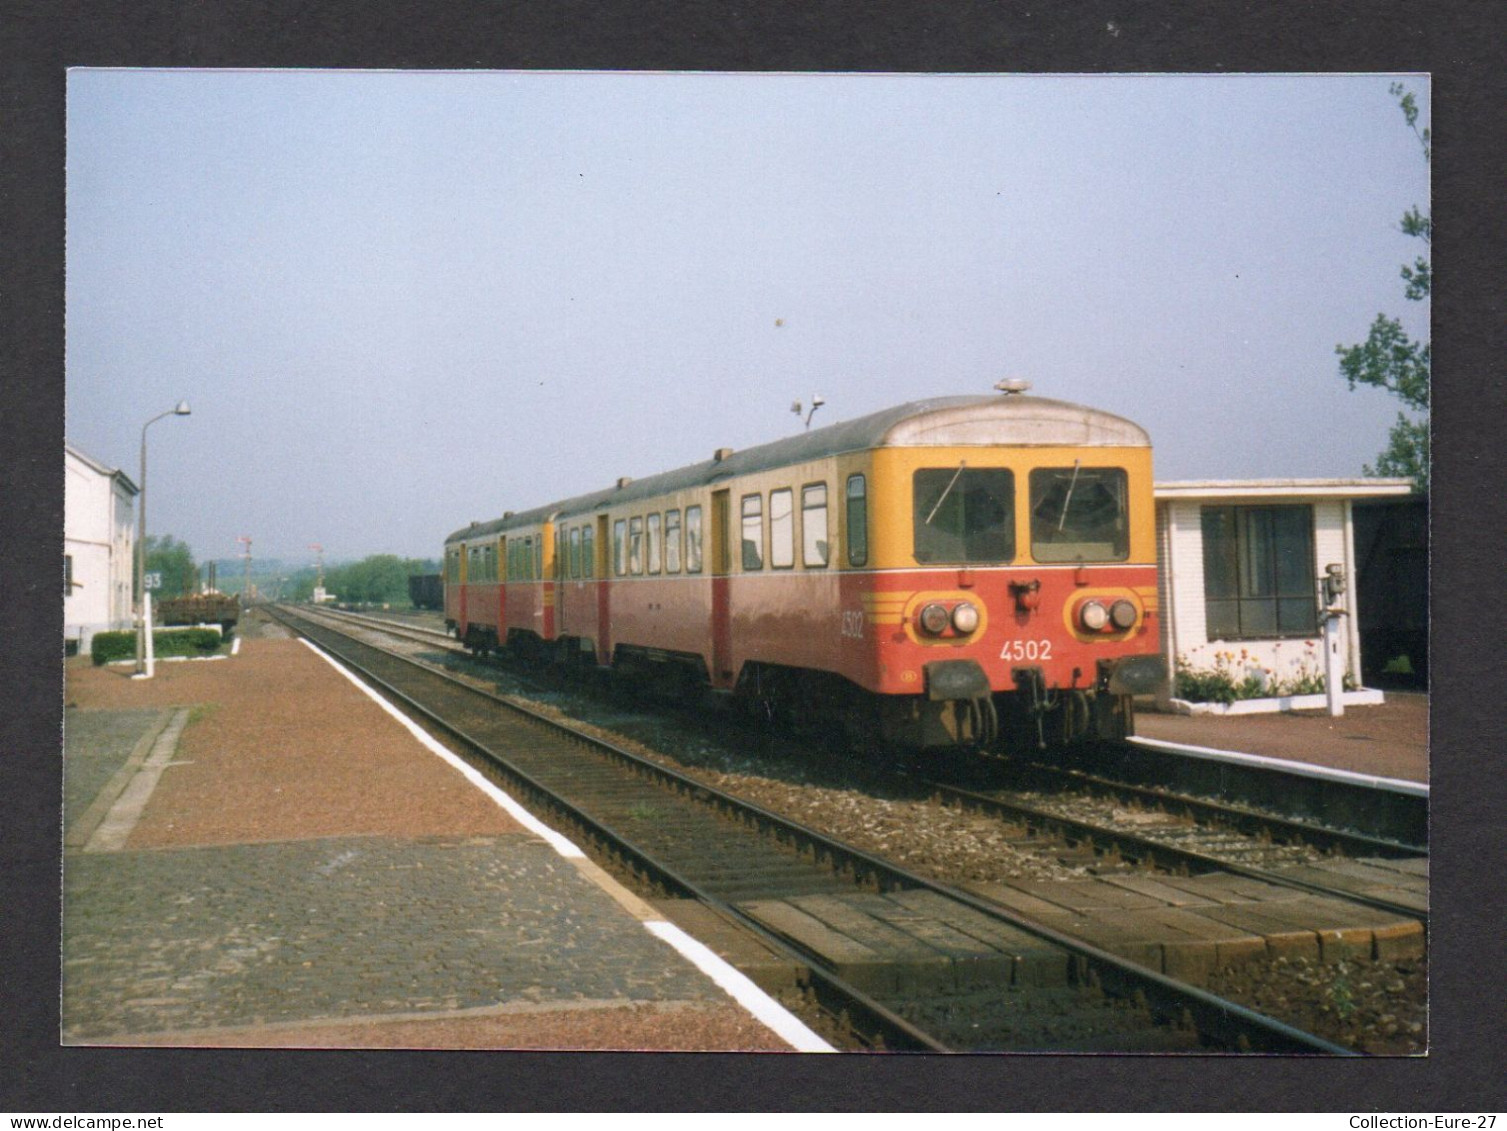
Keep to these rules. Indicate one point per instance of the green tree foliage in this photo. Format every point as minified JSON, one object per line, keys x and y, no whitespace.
{"x":376,"y":580}
{"x":175,"y":561}
{"x":1389,"y":358}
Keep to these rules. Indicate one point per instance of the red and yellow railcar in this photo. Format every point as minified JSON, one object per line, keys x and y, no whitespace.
{"x":967,"y":570}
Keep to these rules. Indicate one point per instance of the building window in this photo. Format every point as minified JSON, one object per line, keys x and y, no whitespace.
{"x":1258,"y":572}
{"x":67,"y":575}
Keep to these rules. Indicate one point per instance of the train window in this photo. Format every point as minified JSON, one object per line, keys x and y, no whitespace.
{"x":672,"y":541}
{"x":620,"y":547}
{"x":1079,"y":514}
{"x":814,"y":547}
{"x":1258,"y":572}
{"x":753,"y":531}
{"x":858,"y":521}
{"x":654,"y":542}
{"x":575,"y":552}
{"x":539,"y":557}
{"x":588,"y":552}
{"x":963,"y":514}
{"x":636,"y":546}
{"x":782,"y":528}
{"x":693,"y":539}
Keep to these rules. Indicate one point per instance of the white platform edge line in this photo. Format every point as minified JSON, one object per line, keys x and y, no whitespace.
{"x":736,"y":985}
{"x":1302,"y":769}
{"x":559,"y":843}
{"x":739,"y":987}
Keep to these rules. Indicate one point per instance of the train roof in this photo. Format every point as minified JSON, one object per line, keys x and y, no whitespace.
{"x":997,"y":421}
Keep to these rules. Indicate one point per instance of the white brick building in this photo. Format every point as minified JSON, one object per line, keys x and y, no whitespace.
{"x":99,"y":541}
{"x":1240,"y":567}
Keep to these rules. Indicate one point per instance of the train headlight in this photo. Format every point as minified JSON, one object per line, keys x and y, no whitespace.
{"x":1094,"y":616}
{"x":1122,"y":613}
{"x":965,"y":618}
{"x":934,"y":620}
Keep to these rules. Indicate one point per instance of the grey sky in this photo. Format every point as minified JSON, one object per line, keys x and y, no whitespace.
{"x":402,"y":301}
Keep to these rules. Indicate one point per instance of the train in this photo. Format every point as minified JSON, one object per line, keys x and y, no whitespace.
{"x":961,"y":572}
{"x":201,"y":608}
{"x":426,"y":591}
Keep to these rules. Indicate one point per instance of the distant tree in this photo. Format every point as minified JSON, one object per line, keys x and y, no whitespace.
{"x":1389,"y":358}
{"x":378,"y":579}
{"x":175,"y":561}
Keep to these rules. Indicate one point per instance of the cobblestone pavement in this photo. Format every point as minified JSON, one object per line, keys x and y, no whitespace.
{"x":294,"y":868}
{"x":256,"y":934}
{"x":99,"y":743}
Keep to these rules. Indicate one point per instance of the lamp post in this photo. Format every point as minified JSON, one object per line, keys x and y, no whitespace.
{"x":143,"y":604}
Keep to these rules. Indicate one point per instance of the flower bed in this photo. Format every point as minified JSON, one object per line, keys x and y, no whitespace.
{"x":1240,"y":684}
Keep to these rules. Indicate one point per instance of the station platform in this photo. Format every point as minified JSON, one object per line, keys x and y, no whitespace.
{"x":258,"y":855}
{"x":1387,"y":740}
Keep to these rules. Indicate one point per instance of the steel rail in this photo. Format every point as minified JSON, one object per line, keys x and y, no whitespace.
{"x":1143,"y":848}
{"x":1242,"y":819}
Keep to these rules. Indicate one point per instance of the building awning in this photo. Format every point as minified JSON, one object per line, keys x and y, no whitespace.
{"x":1229,"y":490}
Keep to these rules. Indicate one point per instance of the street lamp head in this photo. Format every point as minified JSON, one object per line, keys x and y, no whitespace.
{"x":182,"y":409}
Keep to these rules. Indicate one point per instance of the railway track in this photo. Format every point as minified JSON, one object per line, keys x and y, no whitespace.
{"x":1231,"y":833}
{"x":1067,"y":812}
{"x":1184,"y":835}
{"x":988,"y":975}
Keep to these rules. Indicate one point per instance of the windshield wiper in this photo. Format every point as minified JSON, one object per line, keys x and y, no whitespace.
{"x":1067,"y":502}
{"x":945,"y":491}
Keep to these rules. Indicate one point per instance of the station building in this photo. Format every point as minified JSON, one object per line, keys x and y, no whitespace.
{"x":99,"y":544}
{"x":1242,"y":571}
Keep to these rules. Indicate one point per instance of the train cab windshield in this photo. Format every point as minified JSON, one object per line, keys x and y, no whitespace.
{"x":1079,"y":514}
{"x":964,"y":514}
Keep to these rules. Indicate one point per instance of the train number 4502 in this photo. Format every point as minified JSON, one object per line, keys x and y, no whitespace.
{"x":1026,"y":650}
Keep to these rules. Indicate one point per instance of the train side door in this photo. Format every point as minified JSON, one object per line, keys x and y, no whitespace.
{"x":562,"y":577}
{"x":603,"y":572}
{"x":722,"y":634}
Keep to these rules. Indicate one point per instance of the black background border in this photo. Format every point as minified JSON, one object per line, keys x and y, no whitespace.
{"x":1458,"y":44}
